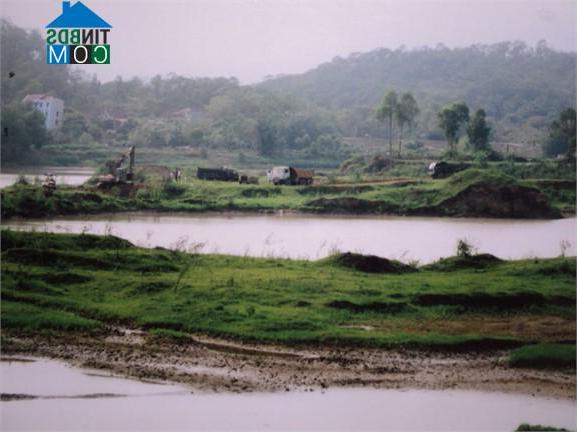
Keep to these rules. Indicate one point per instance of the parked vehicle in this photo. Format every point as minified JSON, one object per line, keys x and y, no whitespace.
{"x":222,"y":174}
{"x":442,"y":169}
{"x":244,"y":179}
{"x":290,"y":176}
{"x":120,"y":171}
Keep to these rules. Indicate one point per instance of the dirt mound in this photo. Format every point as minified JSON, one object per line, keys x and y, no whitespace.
{"x":499,"y":301}
{"x":151,"y":287}
{"x":66,"y":242}
{"x":378,"y":164}
{"x":66,"y":278}
{"x":347,"y":205}
{"x":371,"y":263}
{"x":465,"y":262}
{"x":564,"y":268}
{"x":318,"y":190}
{"x":54,"y":258}
{"x":380,"y":307}
{"x":259,"y":192}
{"x":496,"y":200}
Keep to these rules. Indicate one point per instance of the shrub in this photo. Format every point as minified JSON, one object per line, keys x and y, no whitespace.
{"x":544,"y":356}
{"x":464,"y":248}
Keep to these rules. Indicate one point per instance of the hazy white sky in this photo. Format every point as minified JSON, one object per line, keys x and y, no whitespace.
{"x":250,"y":39}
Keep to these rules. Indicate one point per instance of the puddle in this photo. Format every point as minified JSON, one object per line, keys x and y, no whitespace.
{"x":48,"y":378}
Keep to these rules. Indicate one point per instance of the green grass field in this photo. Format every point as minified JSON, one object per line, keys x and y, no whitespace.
{"x":544,"y":356}
{"x":67,"y":282}
{"x":470,"y":193}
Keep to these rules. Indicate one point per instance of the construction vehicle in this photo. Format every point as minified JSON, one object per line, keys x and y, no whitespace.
{"x":120,"y":171}
{"x":222,"y":174}
{"x":285,"y":175}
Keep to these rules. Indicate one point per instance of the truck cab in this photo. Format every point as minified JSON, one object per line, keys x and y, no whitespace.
{"x":279,"y":175}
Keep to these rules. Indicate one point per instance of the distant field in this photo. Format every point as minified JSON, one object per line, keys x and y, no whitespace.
{"x":473,"y":192}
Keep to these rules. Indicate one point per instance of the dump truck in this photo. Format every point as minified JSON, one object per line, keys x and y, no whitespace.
{"x":222,"y":174}
{"x":290,"y":176}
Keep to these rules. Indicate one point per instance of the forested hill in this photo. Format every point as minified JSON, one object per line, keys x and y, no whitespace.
{"x":514,"y":83}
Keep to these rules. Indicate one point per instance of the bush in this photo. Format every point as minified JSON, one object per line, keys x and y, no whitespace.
{"x":537,"y":428}
{"x":464,"y":248}
{"x":173,"y":190}
{"x":544,"y":356}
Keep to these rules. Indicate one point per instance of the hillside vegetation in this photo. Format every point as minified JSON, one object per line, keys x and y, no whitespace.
{"x":298,"y":119}
{"x":521,"y":88}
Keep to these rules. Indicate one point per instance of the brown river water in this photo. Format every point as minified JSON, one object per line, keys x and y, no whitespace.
{"x":424,"y":239}
{"x":60,"y":397}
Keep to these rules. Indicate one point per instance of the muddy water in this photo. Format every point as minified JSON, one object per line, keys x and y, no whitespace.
{"x":312,"y":237}
{"x":71,"y":176}
{"x":111,"y":403}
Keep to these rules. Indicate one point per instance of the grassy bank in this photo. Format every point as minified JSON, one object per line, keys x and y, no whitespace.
{"x":476,"y":193}
{"x":80,"y":282}
{"x":544,"y":356}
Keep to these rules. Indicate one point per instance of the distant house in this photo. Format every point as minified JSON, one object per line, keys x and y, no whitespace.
{"x":77,"y":16}
{"x":106,"y":116}
{"x":51,"y":107}
{"x":188,"y":114}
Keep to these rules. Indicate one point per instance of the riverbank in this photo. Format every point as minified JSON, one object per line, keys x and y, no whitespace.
{"x":342,"y":321}
{"x":471,"y":193}
{"x":213,"y":365}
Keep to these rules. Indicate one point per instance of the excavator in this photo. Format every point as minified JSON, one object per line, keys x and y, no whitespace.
{"x":120,"y":171}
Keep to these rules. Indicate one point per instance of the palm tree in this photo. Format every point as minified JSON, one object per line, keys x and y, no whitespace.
{"x":386,"y":111}
{"x":406,"y":112}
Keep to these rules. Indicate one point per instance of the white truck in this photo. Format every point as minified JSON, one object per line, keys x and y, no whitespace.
{"x":290,"y":176}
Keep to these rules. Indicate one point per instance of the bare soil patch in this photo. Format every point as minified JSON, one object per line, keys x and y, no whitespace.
{"x":215,"y":365}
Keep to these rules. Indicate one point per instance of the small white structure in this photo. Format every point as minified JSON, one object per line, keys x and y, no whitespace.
{"x":51,"y":107}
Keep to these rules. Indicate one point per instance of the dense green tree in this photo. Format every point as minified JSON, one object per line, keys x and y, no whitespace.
{"x":562,"y":135}
{"x":23,"y":68}
{"x":176,"y":137}
{"x":407,"y":111}
{"x":478,"y":131}
{"x":22,"y":128}
{"x":267,"y":136}
{"x":451,"y":120}
{"x":387,"y":111}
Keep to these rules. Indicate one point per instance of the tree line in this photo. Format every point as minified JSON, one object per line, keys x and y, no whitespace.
{"x":305,"y":115}
{"x":454,"y":119}
{"x":521,"y":88}
{"x":402,"y":111}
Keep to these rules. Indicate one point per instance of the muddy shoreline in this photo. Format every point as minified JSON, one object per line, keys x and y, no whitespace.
{"x":206,"y":364}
